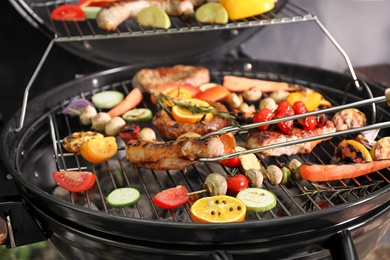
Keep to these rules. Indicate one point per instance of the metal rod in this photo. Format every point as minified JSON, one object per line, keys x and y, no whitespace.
{"x":27,"y":90}
{"x":298,"y":141}
{"x":233,"y":129}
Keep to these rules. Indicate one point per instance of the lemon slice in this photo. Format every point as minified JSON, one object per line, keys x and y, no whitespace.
{"x":154,"y":16}
{"x":212,"y":13}
{"x":183,"y":115}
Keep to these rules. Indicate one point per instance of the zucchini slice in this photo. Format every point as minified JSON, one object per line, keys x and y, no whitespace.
{"x":123,"y":197}
{"x":137,"y":115}
{"x":257,"y":199}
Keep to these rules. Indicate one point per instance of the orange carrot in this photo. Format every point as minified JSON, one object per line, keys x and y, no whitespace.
{"x":241,"y":84}
{"x":319,"y":172}
{"x":131,"y":101}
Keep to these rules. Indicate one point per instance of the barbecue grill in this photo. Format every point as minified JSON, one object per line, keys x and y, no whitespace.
{"x":323,"y":226}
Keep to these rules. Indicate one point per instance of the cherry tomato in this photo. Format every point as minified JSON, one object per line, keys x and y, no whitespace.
{"x":263,"y":115}
{"x":213,"y":94}
{"x":171,"y":198}
{"x":284,"y":110}
{"x":68,"y":12}
{"x":321,"y":120}
{"x":74,"y":181}
{"x":99,"y":150}
{"x":231,"y":162}
{"x":99,"y":3}
{"x":308,"y":123}
{"x":236,"y":183}
{"x":129,"y":132}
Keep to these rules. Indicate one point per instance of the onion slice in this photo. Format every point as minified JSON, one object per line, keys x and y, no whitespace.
{"x":76,"y":106}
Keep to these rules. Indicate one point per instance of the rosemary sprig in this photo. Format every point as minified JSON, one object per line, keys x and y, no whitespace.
{"x":337,"y":190}
{"x":162,"y":100}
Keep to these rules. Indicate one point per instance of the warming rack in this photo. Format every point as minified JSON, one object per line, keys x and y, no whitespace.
{"x":88,"y":30}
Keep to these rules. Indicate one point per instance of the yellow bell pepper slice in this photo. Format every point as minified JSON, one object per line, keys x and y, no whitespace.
{"x":240,"y":9}
{"x":310,"y":98}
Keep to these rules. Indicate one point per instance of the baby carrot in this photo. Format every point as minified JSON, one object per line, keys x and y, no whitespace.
{"x":130,"y":101}
{"x":319,"y":172}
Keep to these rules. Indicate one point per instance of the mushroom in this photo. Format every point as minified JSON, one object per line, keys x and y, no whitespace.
{"x":215,"y":184}
{"x":294,"y":168}
{"x":279,"y":95}
{"x":269,"y":103}
{"x":253,"y":94}
{"x":234,"y":100}
{"x":147,"y":134}
{"x":255,"y":178}
{"x":100,"y":120}
{"x":275,"y":174}
{"x":87,"y":114}
{"x":114,"y":125}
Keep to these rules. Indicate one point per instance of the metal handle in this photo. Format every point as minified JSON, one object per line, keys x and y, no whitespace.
{"x":342,"y":247}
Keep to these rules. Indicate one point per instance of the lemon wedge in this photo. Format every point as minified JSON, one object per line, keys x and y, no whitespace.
{"x":154,"y":16}
{"x":212,"y":13}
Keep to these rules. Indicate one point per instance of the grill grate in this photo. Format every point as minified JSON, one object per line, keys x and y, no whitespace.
{"x":292,"y":199}
{"x":88,"y":30}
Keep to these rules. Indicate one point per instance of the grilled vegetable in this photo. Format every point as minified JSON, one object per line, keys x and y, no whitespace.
{"x":236,"y":183}
{"x":212,"y":13}
{"x":308,"y":123}
{"x":73,"y":142}
{"x":248,"y":161}
{"x":129,"y":132}
{"x":294,"y":168}
{"x":348,"y":119}
{"x":114,"y":125}
{"x":275,"y":174}
{"x":284,"y":110}
{"x":286,"y":175}
{"x":240,"y":84}
{"x":215,"y":184}
{"x":381,"y":149}
{"x":123,"y":197}
{"x":107,"y":99}
{"x":257,"y":199}
{"x":255,"y":178}
{"x":171,"y":198}
{"x":238,"y":9}
{"x":253,"y":94}
{"x":75,"y":107}
{"x":318,"y":172}
{"x":138,"y":115}
{"x":263,"y":115}
{"x":213,"y":94}
{"x":147,"y":133}
{"x":279,"y":95}
{"x":269,"y":103}
{"x":74,"y":181}
{"x":154,"y":16}
{"x":99,"y":150}
{"x":234,"y":100}
{"x":352,"y":151}
{"x":311,"y":99}
{"x":67,"y":12}
{"x":86,"y":115}
{"x":100,"y":121}
{"x":231,"y":162}
{"x":129,"y":102}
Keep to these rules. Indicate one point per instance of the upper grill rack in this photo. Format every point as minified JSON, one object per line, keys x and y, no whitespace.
{"x":88,"y":30}
{"x":118,"y":172}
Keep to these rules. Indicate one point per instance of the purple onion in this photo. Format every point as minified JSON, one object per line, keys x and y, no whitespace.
{"x":75,"y":107}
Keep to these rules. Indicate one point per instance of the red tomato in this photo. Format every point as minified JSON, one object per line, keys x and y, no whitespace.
{"x":99,"y":3}
{"x":231,"y":162}
{"x":321,"y":120}
{"x":213,"y":94}
{"x":129,"y":132}
{"x":308,"y":123}
{"x":74,"y":181}
{"x":171,"y":198}
{"x":236,"y":183}
{"x":263,"y":115}
{"x":68,"y":12}
{"x":284,"y":110}
{"x":166,"y":88}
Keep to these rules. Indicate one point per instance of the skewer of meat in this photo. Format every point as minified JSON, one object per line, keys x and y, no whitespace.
{"x":114,"y":14}
{"x":172,"y":155}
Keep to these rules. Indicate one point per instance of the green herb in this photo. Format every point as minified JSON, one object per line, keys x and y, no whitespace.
{"x":162,"y":100}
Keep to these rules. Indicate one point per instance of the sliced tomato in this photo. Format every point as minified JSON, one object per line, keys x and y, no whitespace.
{"x":231,"y":162}
{"x":166,"y":88}
{"x":74,"y":181}
{"x":171,"y":198}
{"x":99,"y":3}
{"x":213,"y":94}
{"x":99,"y":150}
{"x":68,"y":12}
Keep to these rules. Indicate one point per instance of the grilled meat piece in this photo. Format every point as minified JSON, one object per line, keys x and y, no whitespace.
{"x":171,"y":129}
{"x":172,"y":155}
{"x":147,"y":79}
{"x":110,"y":16}
{"x":257,"y":138}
